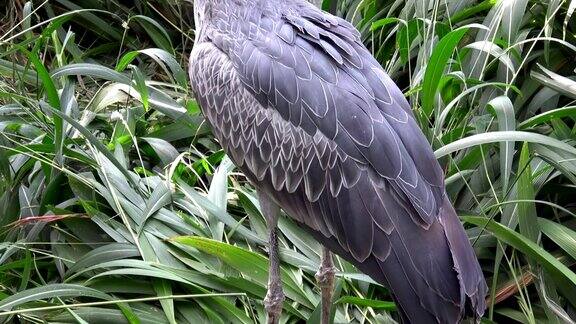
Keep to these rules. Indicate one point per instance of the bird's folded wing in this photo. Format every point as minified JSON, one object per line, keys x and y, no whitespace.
{"x":313,"y":70}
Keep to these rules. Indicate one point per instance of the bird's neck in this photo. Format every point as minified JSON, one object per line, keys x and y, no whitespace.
{"x":223,"y":17}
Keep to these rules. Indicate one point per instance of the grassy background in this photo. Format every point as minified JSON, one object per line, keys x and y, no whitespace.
{"x":117,"y":205}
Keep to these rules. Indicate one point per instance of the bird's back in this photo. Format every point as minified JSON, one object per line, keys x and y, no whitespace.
{"x":307,"y":113}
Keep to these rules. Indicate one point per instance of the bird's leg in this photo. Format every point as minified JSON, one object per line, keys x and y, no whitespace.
{"x":275,"y":295}
{"x":325,"y":279}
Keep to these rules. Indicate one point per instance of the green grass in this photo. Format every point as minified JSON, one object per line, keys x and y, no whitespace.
{"x":106,"y":163}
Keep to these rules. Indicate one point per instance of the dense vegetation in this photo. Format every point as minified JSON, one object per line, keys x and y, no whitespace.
{"x":117,"y":205}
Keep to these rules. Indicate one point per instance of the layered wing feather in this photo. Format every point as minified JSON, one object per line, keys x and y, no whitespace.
{"x":305,"y":111}
{"x":314,"y":71}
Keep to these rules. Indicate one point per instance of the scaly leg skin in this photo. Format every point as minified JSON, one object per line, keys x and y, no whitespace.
{"x":325,"y":279}
{"x":275,"y":295}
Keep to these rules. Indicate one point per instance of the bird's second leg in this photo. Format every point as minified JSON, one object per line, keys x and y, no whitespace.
{"x":275,"y":296}
{"x":325,"y":279}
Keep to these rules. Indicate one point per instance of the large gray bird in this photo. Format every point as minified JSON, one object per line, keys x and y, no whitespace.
{"x":306,"y":112}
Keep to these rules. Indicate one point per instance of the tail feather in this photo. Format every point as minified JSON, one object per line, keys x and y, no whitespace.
{"x":465,"y":262}
{"x":428,"y":297}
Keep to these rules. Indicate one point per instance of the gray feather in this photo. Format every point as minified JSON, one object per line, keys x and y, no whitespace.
{"x":306,"y":112}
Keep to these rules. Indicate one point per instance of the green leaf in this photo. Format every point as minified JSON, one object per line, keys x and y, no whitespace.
{"x":218,"y":195}
{"x":407,"y":34}
{"x":160,"y":100}
{"x":328,"y":5}
{"x":161,"y":57}
{"x":555,"y":81}
{"x":492,"y":137}
{"x":95,"y":23}
{"x":250,"y":264}
{"x":140,"y":85}
{"x":199,"y":200}
{"x":563,"y":236}
{"x":53,"y":100}
{"x":165,"y":151}
{"x":94,"y":70}
{"x":26,"y":19}
{"x":94,"y":141}
{"x":436,"y":66}
{"x":149,"y":315}
{"x":527,"y":219}
{"x":569,"y":12}
{"x":471,"y":11}
{"x":109,"y":252}
{"x":547,"y":116}
{"x":384,"y":22}
{"x":504,"y":110}
{"x":48,"y":292}
{"x":513,"y":12}
{"x":164,"y":288}
{"x":496,"y":51}
{"x":25,"y":274}
{"x":158,"y":34}
{"x":160,"y":197}
{"x":363,"y":302}
{"x":562,"y":274}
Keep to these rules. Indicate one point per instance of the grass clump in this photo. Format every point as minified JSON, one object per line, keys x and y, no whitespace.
{"x":105,"y":159}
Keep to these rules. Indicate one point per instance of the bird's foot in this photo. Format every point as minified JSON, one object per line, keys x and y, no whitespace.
{"x":273,"y":303}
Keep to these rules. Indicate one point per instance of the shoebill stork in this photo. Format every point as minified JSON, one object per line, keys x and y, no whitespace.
{"x":310,"y":117}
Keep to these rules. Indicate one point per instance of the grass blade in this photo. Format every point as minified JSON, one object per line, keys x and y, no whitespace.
{"x":436,"y":66}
